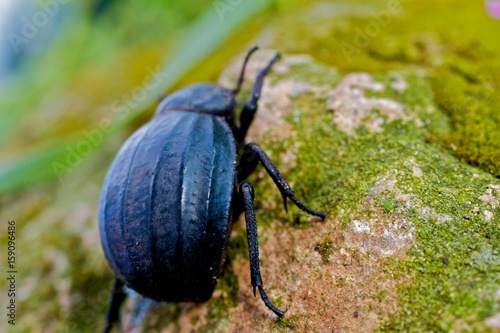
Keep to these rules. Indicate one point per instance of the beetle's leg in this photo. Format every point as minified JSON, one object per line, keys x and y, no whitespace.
{"x":250,"y":107}
{"x":254,"y":153}
{"x":117,"y":297}
{"x":246,"y":191}
{"x":246,"y":166}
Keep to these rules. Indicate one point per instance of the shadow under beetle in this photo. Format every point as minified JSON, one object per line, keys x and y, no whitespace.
{"x":170,"y":195}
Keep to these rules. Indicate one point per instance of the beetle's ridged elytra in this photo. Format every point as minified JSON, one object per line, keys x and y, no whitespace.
{"x":167,"y":202}
{"x":171,"y":179}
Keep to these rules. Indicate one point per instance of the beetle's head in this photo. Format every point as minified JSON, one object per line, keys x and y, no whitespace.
{"x":201,"y":97}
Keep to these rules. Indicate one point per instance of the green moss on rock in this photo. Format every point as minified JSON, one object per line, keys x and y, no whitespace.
{"x":411,"y":242}
{"x":447,"y":278}
{"x":463,"y":64}
{"x":325,"y":249}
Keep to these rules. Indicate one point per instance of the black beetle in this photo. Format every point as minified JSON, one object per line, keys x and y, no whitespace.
{"x":170,"y":195}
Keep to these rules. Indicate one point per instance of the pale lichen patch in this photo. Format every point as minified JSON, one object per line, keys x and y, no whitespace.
{"x":399,"y":84}
{"x":275,"y":103}
{"x":352,"y":108}
{"x":415,"y":167}
{"x":490,"y":196}
{"x":494,"y":321}
{"x":379,"y":231}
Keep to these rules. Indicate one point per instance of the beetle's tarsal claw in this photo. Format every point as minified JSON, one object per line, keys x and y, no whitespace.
{"x":306,"y":209}
{"x":284,"y":202}
{"x":254,"y":293}
{"x":263,"y":295}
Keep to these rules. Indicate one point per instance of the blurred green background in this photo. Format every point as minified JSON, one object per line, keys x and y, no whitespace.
{"x":87,"y":64}
{"x":78,"y":77}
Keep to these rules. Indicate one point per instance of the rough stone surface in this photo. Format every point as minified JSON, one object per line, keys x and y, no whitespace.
{"x":398,"y":144}
{"x":347,"y":273}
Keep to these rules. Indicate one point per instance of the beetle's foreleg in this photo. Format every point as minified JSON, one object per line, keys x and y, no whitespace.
{"x":247,"y":164}
{"x":250,"y":107}
{"x":253,"y":153}
{"x":246,"y":191}
{"x":117,"y":297}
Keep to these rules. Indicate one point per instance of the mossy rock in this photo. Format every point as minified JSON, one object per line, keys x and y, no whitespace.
{"x":411,"y":239}
{"x":396,"y":141}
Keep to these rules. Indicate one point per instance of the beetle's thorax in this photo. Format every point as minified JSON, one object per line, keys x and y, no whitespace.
{"x":202,"y":97}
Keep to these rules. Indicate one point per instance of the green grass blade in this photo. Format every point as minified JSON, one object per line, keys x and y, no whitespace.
{"x":208,"y":32}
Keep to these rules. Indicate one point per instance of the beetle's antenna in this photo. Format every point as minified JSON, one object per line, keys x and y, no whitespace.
{"x":242,"y":73}
{"x":259,"y":80}
{"x":250,"y":107}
